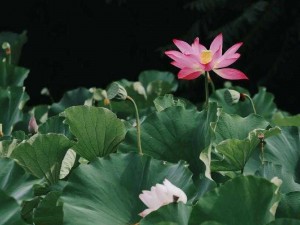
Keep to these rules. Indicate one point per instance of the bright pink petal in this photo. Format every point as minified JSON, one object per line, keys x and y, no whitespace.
{"x":233,"y":49}
{"x":227,"y":61}
{"x":175,"y":55}
{"x":189,"y":74}
{"x":184,"y":47}
{"x":230,"y":74}
{"x":217,"y":44}
{"x":181,"y":60}
{"x":197,"y":47}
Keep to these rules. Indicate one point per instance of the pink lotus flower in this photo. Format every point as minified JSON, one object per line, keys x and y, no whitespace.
{"x":161,"y":195}
{"x":195,"y":59}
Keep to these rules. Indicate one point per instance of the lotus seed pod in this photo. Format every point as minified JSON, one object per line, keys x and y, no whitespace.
{"x":231,"y":96}
{"x":116,"y":91}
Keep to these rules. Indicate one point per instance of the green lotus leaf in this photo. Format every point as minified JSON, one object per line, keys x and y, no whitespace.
{"x":16,"y":42}
{"x":285,"y":222}
{"x":107,"y":190}
{"x":67,"y":163}
{"x":49,"y":211}
{"x":7,"y":146}
{"x":98,"y":130}
{"x":280,"y":120}
{"x":263,"y":102}
{"x":269,"y":170}
{"x":149,"y":76}
{"x":12,"y":100}
{"x":284,"y":149}
{"x":55,"y":124}
{"x":14,"y":181}
{"x":40,"y":113}
{"x":236,"y":127}
{"x":166,"y":101}
{"x":11,"y":75}
{"x":175,"y":134}
{"x":175,"y":213}
{"x":243,"y":200}
{"x":289,"y":206}
{"x":42,"y":155}
{"x":70,"y":98}
{"x":27,"y":209}
{"x":236,"y":152}
{"x":9,"y":210}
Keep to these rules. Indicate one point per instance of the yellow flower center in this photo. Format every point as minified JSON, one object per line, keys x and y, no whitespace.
{"x":206,"y":56}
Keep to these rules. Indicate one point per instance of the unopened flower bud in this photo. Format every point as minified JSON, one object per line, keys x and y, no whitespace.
{"x":231,"y":96}
{"x":32,"y":125}
{"x":106,"y":101}
{"x":116,"y":91}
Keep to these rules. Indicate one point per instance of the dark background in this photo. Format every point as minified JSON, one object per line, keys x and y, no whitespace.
{"x":91,"y":43}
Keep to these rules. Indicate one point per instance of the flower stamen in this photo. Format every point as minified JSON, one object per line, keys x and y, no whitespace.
{"x":206,"y":56}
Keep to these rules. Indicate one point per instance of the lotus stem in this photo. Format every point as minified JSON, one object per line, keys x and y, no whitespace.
{"x":138,"y":125}
{"x":206,"y":75}
{"x":210,"y":81}
{"x":253,"y":107}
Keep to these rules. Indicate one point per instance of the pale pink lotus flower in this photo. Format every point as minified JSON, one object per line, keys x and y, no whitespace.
{"x":32,"y":125}
{"x":195,"y":59}
{"x":160,"y":195}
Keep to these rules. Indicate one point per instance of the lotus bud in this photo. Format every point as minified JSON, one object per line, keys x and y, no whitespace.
{"x":116,"y":91}
{"x":6,"y":47}
{"x":1,"y":132}
{"x":32,"y":125}
{"x":232,"y":97}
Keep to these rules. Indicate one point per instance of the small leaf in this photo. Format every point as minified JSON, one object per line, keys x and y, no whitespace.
{"x":42,"y":155}
{"x":98,"y":130}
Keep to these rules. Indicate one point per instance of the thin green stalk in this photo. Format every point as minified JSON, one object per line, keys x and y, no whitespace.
{"x":253,"y":107}
{"x":211,"y":83}
{"x":206,"y":88}
{"x":138,"y":126}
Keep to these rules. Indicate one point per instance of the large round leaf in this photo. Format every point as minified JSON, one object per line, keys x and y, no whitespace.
{"x":242,"y":200}
{"x":175,"y":134}
{"x":71,"y":98}
{"x":98,"y":130}
{"x":107,"y":191}
{"x":284,"y":149}
{"x":289,"y":206}
{"x":269,"y":170}
{"x":9,"y":210}
{"x":42,"y":155}
{"x":236,"y":127}
{"x":14,"y":181}
{"x":236,"y":152}
{"x":263,"y":101}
